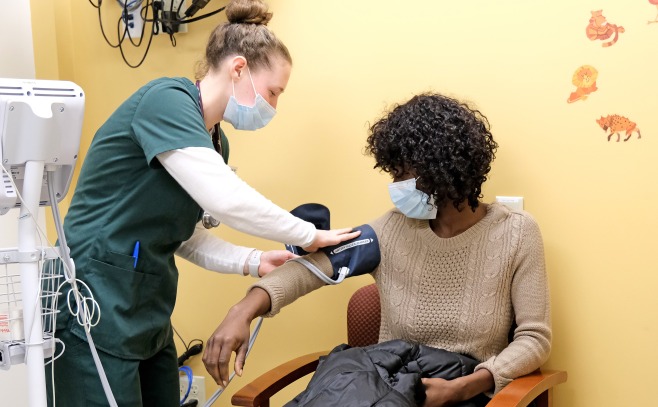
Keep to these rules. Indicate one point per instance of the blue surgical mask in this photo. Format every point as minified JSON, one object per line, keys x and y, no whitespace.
{"x":410,"y":201}
{"x":248,"y":117}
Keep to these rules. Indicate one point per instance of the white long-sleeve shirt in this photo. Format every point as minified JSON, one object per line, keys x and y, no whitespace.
{"x":234,"y":203}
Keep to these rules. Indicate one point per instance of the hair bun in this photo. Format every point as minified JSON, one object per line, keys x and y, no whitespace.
{"x":248,"y":12}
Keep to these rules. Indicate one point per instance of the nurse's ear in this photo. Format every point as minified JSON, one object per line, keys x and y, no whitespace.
{"x":236,"y":66}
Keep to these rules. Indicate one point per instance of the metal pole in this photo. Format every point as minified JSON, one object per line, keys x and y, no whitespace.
{"x":27,"y":239}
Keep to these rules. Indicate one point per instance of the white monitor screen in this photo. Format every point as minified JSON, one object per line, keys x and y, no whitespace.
{"x":39,"y":121}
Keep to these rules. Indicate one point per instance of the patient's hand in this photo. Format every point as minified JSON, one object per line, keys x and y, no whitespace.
{"x":440,"y":392}
{"x":232,"y":335}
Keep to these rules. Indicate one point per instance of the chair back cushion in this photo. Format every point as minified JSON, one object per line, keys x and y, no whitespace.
{"x":363,"y":316}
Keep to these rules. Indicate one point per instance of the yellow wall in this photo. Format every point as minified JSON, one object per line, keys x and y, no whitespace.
{"x":512,"y":59}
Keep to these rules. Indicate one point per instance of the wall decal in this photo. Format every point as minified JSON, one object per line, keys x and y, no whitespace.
{"x":585,"y":80}
{"x":655,"y":20}
{"x":615,"y":124}
{"x":599,"y":29}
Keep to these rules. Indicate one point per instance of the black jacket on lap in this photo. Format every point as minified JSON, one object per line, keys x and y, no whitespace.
{"x":385,"y":375}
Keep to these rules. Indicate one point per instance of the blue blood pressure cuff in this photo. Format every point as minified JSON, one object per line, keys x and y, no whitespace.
{"x":315,"y":213}
{"x":348,"y":259}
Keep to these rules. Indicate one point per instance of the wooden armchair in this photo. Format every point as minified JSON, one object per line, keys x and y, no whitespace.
{"x":363,"y":319}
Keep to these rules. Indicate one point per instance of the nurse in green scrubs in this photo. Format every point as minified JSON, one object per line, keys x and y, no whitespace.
{"x":153,"y":168}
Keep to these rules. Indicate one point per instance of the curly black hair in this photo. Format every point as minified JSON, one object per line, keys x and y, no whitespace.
{"x":440,"y":140}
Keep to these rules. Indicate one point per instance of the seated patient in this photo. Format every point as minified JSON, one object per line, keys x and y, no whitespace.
{"x":455,"y":273}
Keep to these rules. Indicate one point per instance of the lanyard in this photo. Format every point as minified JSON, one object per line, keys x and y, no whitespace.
{"x":214,"y":133}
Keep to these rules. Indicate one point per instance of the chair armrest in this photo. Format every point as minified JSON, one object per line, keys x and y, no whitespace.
{"x":523,"y":390}
{"x":269,"y":383}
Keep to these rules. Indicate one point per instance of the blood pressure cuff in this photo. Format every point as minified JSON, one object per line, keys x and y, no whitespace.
{"x":359,"y":255}
{"x":315,"y":213}
{"x":348,"y":259}
{"x":352,"y":258}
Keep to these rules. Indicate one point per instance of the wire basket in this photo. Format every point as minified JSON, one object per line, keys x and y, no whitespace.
{"x":12,"y":335}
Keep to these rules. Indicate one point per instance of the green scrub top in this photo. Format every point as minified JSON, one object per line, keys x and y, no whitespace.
{"x":123,"y":196}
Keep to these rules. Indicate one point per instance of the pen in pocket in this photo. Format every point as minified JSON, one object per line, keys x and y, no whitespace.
{"x":136,"y":253}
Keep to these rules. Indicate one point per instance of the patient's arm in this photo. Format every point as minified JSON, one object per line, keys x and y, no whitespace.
{"x":293,"y":280}
{"x":232,"y":335}
{"x":277,"y":289}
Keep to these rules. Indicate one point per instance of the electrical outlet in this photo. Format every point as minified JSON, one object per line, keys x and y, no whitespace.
{"x":512,"y":202}
{"x":197,"y":391}
{"x":169,"y":24}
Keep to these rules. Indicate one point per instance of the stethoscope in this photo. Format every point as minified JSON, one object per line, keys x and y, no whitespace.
{"x":207,"y":220}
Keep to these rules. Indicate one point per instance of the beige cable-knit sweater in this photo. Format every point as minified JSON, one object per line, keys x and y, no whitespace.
{"x":461,"y":293}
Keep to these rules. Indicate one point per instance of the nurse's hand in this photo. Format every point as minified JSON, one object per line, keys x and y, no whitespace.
{"x":324,"y":238}
{"x":232,"y":335}
{"x":273,"y":259}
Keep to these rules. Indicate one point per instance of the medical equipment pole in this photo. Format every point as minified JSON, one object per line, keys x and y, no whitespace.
{"x":28,"y":257}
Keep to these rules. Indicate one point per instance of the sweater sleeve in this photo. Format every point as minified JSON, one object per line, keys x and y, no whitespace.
{"x":531,"y":344}
{"x":216,"y":188}
{"x":292,"y":281}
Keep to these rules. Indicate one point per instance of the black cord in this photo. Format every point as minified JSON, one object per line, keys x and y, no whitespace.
{"x":212,"y":13}
{"x":126,"y":22}
{"x":100,"y":22}
{"x":190,"y":349}
{"x":156,"y":21}
{"x":172,"y":37}
{"x":194,"y":350}
{"x":143,"y":14}
{"x":123,"y":55}
{"x":180,"y":337}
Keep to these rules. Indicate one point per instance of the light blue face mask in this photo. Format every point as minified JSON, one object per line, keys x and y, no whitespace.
{"x":248,"y":117}
{"x":410,"y":201}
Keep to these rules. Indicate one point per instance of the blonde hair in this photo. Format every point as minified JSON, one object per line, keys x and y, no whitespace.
{"x":246,"y":34}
